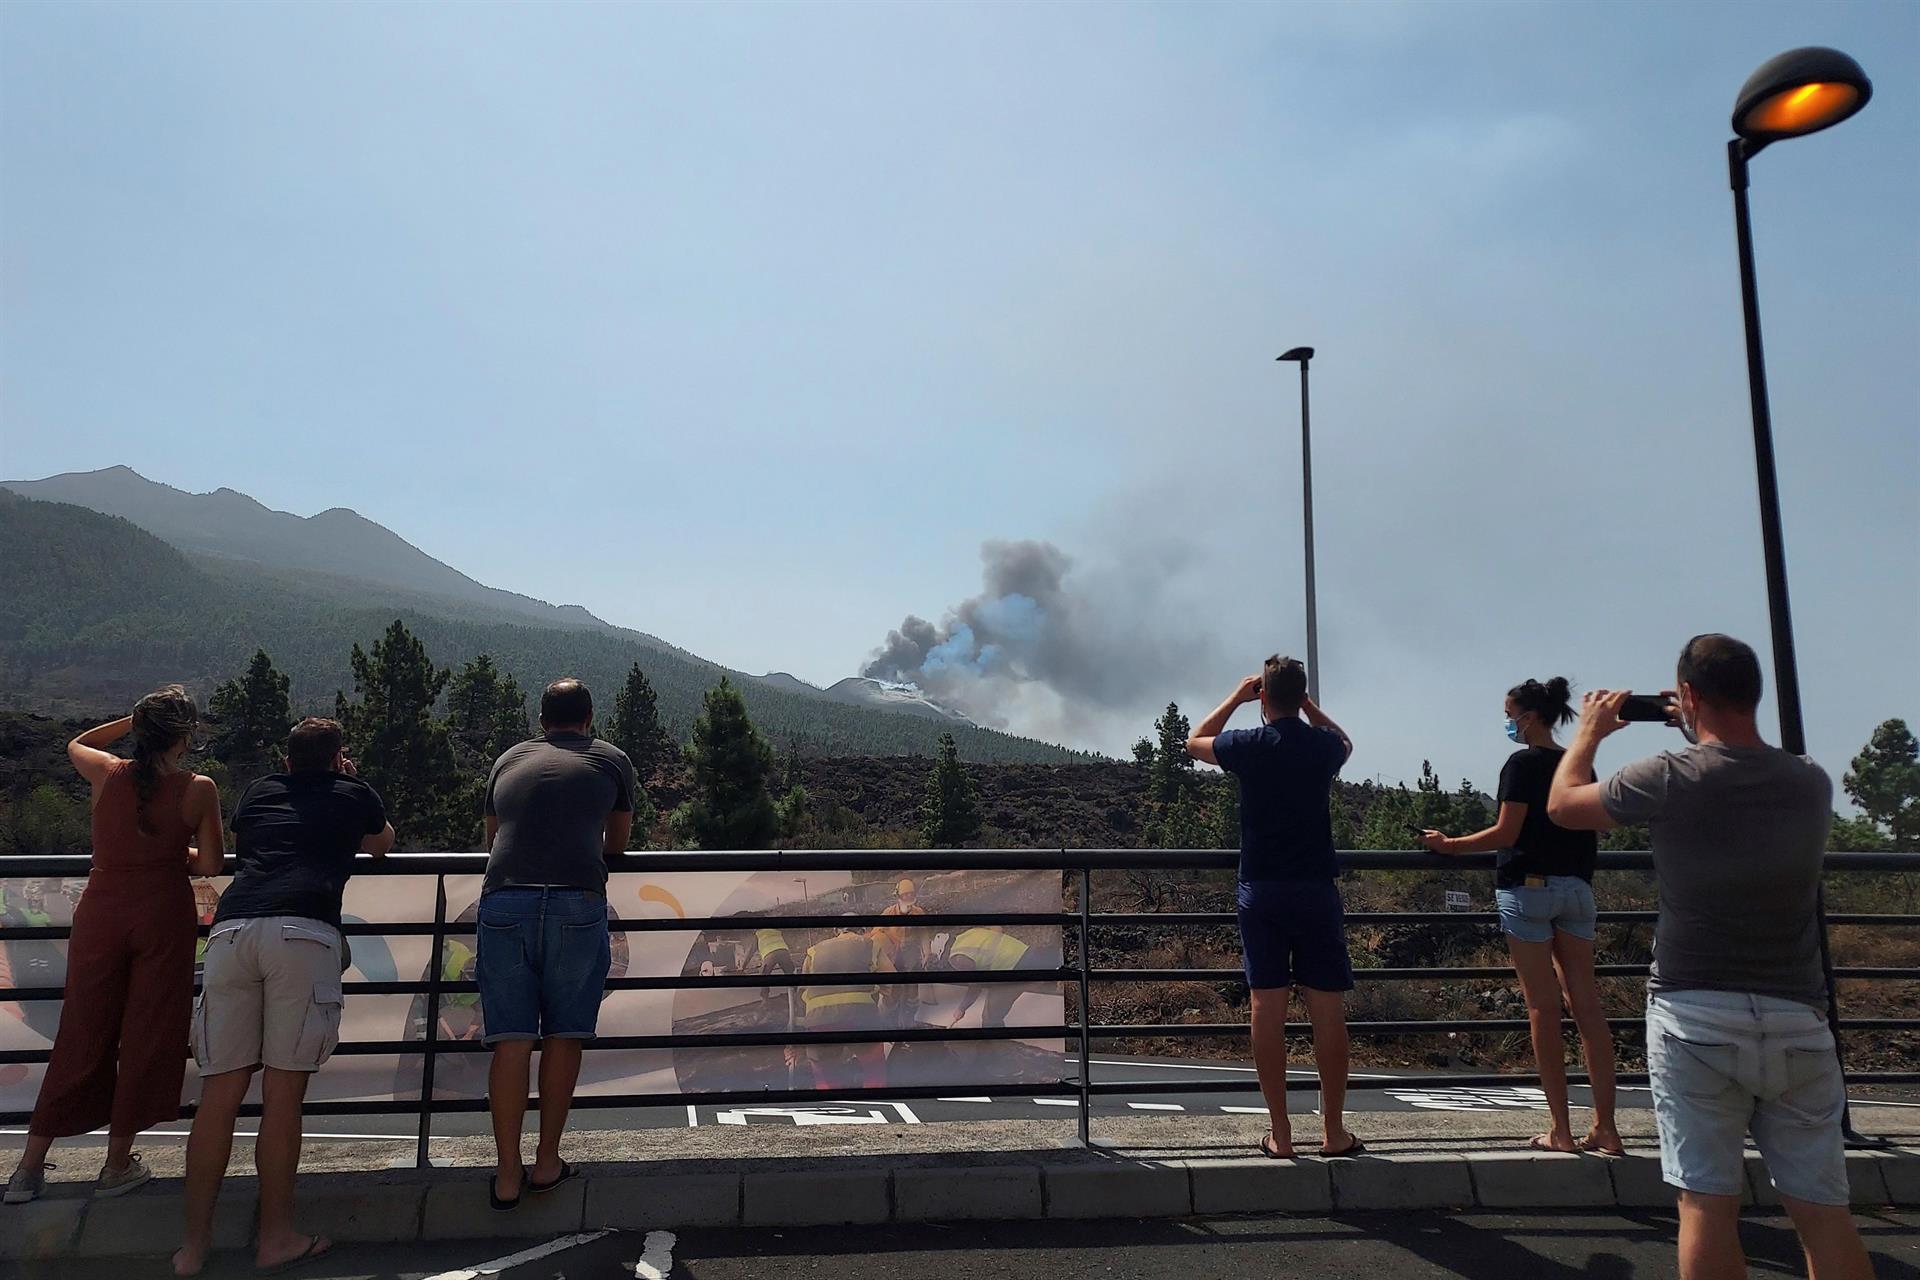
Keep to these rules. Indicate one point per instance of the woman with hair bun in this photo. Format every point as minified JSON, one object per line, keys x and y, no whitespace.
{"x":1544,"y":887}
{"x":120,"y":1055}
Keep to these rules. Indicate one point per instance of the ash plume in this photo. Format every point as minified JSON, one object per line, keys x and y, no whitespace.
{"x":1044,"y":643}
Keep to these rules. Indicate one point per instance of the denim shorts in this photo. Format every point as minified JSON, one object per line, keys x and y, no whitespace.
{"x":1724,"y":1062}
{"x":1532,"y":913}
{"x":1294,"y":933}
{"x":542,"y":965}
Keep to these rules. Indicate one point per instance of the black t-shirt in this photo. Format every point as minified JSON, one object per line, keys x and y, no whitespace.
{"x":1542,"y":848}
{"x":296,"y":836}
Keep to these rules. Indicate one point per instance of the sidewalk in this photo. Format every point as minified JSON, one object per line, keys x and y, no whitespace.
{"x":768,"y":1175}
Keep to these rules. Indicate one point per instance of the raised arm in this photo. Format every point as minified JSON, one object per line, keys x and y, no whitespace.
{"x":1200,"y":741}
{"x":1500,"y":835}
{"x":1321,"y":720}
{"x":208,"y":856}
{"x":88,"y":751}
{"x":1573,"y":802}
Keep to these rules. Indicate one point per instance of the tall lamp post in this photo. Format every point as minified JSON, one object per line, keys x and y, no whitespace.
{"x":1799,"y":92}
{"x":1303,"y":356}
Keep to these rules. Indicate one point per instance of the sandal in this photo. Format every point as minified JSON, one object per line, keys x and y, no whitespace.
{"x":499,"y":1203}
{"x":567,"y":1173}
{"x":1353,"y":1148}
{"x":1271,"y":1149}
{"x":1542,"y":1142}
{"x":317,"y":1247}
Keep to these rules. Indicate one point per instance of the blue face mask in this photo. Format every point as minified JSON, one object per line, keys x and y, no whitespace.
{"x":1513,"y":730}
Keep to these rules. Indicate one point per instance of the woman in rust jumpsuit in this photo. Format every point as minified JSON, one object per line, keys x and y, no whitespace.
{"x":120,"y":1055}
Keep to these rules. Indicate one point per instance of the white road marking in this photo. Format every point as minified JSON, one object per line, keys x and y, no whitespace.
{"x":1156,"y":1106}
{"x":1245,"y":1111}
{"x":693,"y":1116}
{"x":1056,"y":1102}
{"x":656,"y":1261}
{"x":963,"y":1099}
{"x":497,"y":1265}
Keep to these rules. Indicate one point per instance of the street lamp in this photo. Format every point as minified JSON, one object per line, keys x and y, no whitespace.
{"x":1802,"y":91}
{"x":1303,"y":356}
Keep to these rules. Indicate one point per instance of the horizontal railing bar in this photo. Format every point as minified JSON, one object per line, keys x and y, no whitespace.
{"x":908,"y":1093}
{"x":1438,"y":972}
{"x":1480,"y":918}
{"x":992,"y":977}
{"x":1433,"y":1026}
{"x":75,"y":865}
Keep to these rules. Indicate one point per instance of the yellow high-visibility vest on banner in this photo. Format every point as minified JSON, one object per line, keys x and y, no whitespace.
{"x":989,"y":950}
{"x":771,"y":940}
{"x":846,"y":953}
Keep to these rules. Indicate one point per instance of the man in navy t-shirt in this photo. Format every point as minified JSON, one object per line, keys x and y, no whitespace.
{"x":1292,"y":926}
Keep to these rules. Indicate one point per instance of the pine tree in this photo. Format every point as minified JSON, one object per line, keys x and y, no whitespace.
{"x":402,"y":749}
{"x":950,"y":815}
{"x":730,"y":808}
{"x":1469,"y":811}
{"x":1143,"y":753}
{"x":254,"y":717}
{"x":486,"y":711}
{"x":636,"y":728}
{"x":1172,"y":770}
{"x":1885,"y":782}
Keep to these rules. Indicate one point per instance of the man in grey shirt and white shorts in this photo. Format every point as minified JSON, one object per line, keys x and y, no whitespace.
{"x":1737,"y":1035}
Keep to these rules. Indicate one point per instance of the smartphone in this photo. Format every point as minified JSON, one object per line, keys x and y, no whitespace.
{"x":1415,"y":830}
{"x":1652,"y":708}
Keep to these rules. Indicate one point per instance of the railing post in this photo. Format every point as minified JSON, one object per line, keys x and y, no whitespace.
{"x":431,"y":1039}
{"x":1086,"y":1031}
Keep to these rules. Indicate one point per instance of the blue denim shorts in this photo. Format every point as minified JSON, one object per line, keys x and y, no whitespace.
{"x":1532,"y":913}
{"x":1294,"y":933}
{"x":543,"y":961}
{"x":1725,"y":1063}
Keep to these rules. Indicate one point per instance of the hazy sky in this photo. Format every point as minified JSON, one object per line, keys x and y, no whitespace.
{"x":749,"y":324}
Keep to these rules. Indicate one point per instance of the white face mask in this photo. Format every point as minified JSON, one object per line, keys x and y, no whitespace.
{"x":1687,"y":729}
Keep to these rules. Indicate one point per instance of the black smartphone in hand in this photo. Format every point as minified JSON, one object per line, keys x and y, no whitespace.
{"x":1649,"y":708}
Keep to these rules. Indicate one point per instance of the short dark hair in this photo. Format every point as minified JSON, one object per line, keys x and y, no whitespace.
{"x":314,"y":744}
{"x":1284,"y":681}
{"x":1722,"y":671}
{"x":566,"y":701}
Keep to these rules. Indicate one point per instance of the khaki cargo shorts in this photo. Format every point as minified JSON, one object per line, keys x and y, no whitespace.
{"x":270,"y":996}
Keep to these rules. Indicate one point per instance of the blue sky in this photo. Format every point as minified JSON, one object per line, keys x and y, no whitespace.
{"x":748,"y":325}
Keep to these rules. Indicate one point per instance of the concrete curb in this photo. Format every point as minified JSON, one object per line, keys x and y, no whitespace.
{"x":448,"y":1204}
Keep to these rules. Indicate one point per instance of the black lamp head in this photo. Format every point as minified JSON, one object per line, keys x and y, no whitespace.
{"x":1800,"y":91}
{"x":1302,"y":354}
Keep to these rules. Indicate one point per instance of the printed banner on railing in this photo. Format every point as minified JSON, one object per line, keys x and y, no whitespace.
{"x":746,"y":947}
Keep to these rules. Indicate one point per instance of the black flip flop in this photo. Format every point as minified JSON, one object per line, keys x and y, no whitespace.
{"x":1268,"y":1149}
{"x":1355,"y":1148}
{"x":493,"y":1193}
{"x":317,"y":1248}
{"x":567,"y":1173}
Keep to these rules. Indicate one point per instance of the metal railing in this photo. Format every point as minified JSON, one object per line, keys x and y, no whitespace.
{"x":1082,"y":975}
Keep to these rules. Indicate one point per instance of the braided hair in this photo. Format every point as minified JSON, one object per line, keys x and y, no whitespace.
{"x":160,"y":721}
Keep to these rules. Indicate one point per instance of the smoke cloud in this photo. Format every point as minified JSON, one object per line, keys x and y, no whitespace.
{"x":1048,"y":645}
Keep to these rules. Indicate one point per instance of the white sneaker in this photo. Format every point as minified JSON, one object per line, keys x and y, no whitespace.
{"x":131,"y":1178}
{"x":25,"y":1185}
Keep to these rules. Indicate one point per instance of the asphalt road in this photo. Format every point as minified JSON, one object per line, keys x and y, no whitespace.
{"x":1425,"y":1096}
{"x":1406,"y":1246}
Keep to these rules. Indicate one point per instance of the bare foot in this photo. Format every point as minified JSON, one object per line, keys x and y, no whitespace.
{"x":544,"y":1171}
{"x":1604,"y":1140}
{"x":187,"y":1260}
{"x":1561,"y":1142}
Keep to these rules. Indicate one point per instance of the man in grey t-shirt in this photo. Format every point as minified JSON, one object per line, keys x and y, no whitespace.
{"x":557,"y":809}
{"x":1737,"y":1037}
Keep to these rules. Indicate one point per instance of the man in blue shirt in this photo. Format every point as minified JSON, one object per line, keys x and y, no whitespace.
{"x":1292,"y":925}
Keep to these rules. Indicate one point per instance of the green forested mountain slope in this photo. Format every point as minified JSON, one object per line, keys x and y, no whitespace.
{"x":94,"y":612}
